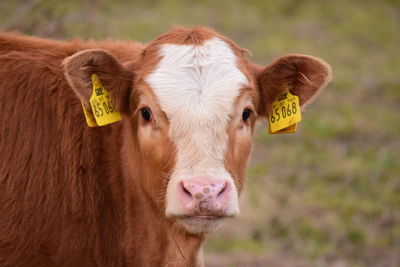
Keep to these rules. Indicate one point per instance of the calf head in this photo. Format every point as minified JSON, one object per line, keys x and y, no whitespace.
{"x":190,"y":102}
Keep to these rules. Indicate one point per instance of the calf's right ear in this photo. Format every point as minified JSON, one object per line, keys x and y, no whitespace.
{"x":79,"y":68}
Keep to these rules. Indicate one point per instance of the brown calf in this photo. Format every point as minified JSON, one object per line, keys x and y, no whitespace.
{"x":145,"y":190}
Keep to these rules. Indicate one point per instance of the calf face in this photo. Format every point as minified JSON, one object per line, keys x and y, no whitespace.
{"x":192,"y":100}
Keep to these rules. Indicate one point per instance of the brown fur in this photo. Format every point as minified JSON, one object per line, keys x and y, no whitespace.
{"x":78,"y":196}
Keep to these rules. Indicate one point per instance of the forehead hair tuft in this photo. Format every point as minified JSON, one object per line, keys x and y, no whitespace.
{"x":194,"y":36}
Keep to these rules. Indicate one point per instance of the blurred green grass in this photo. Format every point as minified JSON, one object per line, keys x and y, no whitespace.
{"x":327,"y":195}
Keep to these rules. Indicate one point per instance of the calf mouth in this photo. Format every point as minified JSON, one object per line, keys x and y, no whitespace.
{"x":201,"y":223}
{"x":204,"y":217}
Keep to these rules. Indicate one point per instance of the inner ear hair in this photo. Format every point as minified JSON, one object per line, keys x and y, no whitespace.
{"x":79,"y":68}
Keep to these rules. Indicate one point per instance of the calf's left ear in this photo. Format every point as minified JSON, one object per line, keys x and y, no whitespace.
{"x":79,"y":68}
{"x":302,"y":75}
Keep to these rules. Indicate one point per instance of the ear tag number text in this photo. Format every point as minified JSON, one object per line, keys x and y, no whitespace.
{"x":285,"y":114}
{"x":103,"y":111}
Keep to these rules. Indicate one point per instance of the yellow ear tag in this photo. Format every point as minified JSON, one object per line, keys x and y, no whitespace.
{"x":101,"y":104}
{"x":90,"y":120}
{"x":285,"y":114}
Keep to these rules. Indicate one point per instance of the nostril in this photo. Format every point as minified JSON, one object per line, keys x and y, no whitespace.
{"x":185,"y":191}
{"x":223,"y":188}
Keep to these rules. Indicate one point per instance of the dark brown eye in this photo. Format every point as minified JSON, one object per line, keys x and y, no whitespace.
{"x":146,"y":114}
{"x":246,"y":114}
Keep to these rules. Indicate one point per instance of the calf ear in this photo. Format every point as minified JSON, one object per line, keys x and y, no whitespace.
{"x":302,"y":75}
{"x":79,"y":68}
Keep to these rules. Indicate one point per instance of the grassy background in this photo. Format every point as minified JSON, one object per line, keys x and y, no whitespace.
{"x":328,"y":195}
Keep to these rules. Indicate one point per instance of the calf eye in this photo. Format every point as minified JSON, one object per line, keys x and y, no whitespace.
{"x":246,"y":114}
{"x":146,"y":114}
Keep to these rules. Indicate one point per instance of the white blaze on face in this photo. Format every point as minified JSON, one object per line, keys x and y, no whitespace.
{"x":196,"y":86}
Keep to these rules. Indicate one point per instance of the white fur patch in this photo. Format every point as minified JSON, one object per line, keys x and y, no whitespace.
{"x":196,"y":86}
